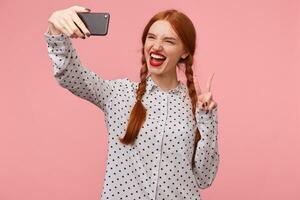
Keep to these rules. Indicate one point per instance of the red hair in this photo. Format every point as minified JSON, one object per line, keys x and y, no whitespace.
{"x":185,"y":30}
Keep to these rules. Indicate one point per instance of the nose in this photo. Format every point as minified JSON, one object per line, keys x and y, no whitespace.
{"x":157,"y":46}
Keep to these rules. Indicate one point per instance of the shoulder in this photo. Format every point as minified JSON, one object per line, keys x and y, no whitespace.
{"x":128,"y":83}
{"x":124,"y":85}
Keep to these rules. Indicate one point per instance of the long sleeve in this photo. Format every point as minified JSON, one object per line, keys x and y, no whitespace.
{"x":207,"y":155}
{"x":72,"y":75}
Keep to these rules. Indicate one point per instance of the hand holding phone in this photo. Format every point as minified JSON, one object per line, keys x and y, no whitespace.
{"x":77,"y":21}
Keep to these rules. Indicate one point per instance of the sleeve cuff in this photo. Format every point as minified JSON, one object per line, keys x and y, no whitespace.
{"x":202,"y":117}
{"x":58,"y":37}
{"x":57,"y":43}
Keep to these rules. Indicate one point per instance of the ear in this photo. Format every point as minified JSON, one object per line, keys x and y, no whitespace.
{"x":184,"y":56}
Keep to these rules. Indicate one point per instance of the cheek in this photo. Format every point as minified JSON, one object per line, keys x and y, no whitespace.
{"x":173,"y":55}
{"x":171,"y":50}
{"x":146,"y":49}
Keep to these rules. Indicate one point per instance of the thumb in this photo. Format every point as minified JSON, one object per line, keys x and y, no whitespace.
{"x":80,"y":9}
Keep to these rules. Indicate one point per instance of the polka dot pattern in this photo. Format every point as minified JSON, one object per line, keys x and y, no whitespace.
{"x":159,"y":164}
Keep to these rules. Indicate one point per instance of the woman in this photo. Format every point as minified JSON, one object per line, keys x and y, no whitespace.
{"x":156,"y":150}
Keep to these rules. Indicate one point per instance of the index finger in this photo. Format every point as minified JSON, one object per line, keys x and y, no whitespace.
{"x":208,"y":86}
{"x":197,"y":86}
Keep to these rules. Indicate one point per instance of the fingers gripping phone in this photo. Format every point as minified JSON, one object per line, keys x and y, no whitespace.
{"x":96,"y":23}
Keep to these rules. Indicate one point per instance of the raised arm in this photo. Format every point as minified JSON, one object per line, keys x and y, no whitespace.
{"x":206,"y":155}
{"x":68,"y":69}
{"x":72,"y":75}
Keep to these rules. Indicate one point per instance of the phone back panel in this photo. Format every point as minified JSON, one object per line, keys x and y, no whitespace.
{"x":96,"y":23}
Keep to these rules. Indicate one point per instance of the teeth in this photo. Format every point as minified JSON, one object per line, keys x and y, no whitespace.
{"x":157,"y":56}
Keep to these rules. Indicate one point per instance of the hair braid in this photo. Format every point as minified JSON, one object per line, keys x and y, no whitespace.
{"x":194,"y":99}
{"x":138,"y":114}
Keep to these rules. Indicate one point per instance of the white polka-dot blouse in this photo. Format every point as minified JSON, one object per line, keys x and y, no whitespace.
{"x":159,"y":165}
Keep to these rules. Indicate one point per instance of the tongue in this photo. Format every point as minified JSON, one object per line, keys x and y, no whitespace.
{"x":156,"y":62}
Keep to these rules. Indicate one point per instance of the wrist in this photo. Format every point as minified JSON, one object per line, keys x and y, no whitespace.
{"x":52,"y":30}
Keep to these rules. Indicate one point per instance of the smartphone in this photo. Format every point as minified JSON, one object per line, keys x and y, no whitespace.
{"x":96,"y":23}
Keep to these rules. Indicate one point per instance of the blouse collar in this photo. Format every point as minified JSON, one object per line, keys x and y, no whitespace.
{"x":150,"y":85}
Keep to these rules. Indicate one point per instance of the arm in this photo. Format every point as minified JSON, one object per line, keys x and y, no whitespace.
{"x":206,"y":156}
{"x":72,"y":75}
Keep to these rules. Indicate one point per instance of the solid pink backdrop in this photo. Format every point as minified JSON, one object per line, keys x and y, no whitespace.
{"x":53,"y":144}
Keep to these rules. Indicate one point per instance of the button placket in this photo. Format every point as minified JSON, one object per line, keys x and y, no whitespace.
{"x":162,"y":126}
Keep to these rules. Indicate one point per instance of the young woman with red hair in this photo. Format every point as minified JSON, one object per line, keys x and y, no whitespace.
{"x":162,"y":133}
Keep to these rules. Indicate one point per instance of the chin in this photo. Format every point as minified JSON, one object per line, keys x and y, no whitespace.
{"x":154,"y":70}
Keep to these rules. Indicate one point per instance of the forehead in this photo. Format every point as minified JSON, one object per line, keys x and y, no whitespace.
{"x":162,"y":28}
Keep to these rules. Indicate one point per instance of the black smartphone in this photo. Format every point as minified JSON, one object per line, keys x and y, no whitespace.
{"x":96,"y":23}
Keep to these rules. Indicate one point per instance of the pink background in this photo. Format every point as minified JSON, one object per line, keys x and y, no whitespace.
{"x":53,"y":144}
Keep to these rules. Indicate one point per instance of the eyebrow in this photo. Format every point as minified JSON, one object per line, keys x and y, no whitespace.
{"x":170,"y":38}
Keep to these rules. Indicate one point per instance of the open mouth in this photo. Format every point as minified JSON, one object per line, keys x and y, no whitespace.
{"x":156,"y":60}
{"x":157,"y":57}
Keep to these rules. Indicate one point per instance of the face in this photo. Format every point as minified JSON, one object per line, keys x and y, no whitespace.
{"x":163,"y":49}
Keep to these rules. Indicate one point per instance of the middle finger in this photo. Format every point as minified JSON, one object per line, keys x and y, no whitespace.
{"x":207,"y":97}
{"x":74,"y":28}
{"x":80,"y":24}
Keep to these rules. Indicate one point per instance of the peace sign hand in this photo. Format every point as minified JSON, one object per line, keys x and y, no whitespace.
{"x":205,"y":99}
